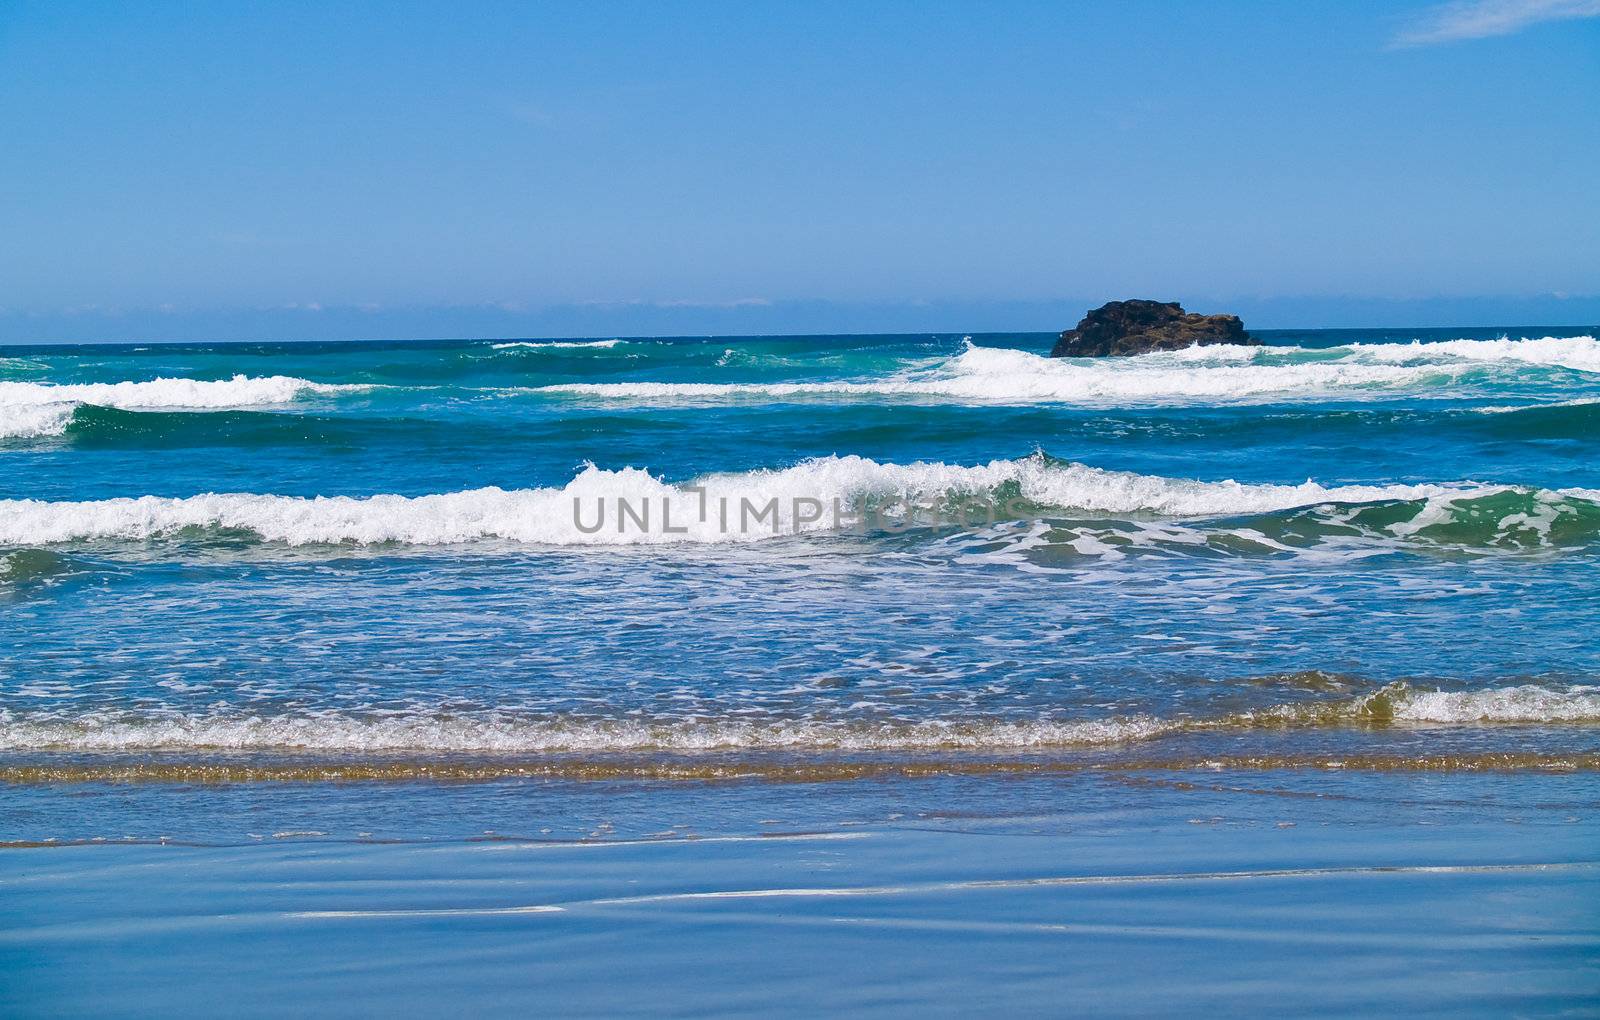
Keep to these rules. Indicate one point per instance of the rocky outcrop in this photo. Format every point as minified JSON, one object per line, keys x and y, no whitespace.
{"x":1139,"y":327}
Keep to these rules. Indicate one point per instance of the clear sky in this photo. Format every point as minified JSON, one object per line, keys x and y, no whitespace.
{"x":436,"y":169}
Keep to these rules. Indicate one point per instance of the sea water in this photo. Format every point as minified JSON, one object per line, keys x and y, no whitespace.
{"x":260,"y":600}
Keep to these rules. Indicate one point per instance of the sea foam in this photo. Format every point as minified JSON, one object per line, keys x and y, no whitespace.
{"x":561,"y":516}
{"x":993,"y":374}
{"x":506,"y":732}
{"x":1223,"y":373}
{"x":535,"y":344}
{"x":1580,"y":353}
{"x":37,"y":409}
{"x":27,"y":420}
{"x":1528,"y":703}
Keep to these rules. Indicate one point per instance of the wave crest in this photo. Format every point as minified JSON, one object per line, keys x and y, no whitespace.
{"x":1579,"y":353}
{"x":501,"y":732}
{"x":824,"y":494}
{"x":993,"y":374}
{"x":713,"y":508}
{"x":40,"y":409}
{"x":565,"y":344}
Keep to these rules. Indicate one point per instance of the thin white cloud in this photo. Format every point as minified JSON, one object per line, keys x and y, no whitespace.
{"x":745,"y":302}
{"x":1481,"y":19}
{"x":748,"y":302}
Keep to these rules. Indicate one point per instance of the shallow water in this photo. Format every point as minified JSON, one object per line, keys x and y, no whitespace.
{"x":256,"y":596}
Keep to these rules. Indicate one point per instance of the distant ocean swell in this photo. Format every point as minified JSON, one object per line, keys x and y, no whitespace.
{"x":1580,"y":353}
{"x":1220,"y":373}
{"x":979,"y":375}
{"x":537,"y":345}
{"x":992,"y":375}
{"x":284,"y":426}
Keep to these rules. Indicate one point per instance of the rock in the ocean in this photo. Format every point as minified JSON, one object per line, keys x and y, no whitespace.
{"x":1138,"y":327}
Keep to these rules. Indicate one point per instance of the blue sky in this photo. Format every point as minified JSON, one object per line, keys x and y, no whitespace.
{"x":348,"y":169}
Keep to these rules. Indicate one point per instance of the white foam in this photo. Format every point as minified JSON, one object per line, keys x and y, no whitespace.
{"x":33,"y":409}
{"x":1513,"y":408}
{"x":991,"y":374}
{"x":502,"y":732}
{"x":557,"y":343}
{"x":1220,"y":372}
{"x":1525,"y":704}
{"x":1224,"y":353}
{"x":553,"y":515}
{"x":30,"y":420}
{"x":1580,"y":353}
{"x":509,"y":734}
{"x":239,"y":391}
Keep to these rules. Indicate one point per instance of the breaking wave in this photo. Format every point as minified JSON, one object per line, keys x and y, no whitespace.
{"x":536,"y":344}
{"x":1224,"y":373}
{"x":813,"y":496}
{"x":1221,"y":374}
{"x":824,"y":494}
{"x":503,"y":732}
{"x":1579,"y":353}
{"x":40,"y":409}
{"x":29,"y":420}
{"x":1000,"y":374}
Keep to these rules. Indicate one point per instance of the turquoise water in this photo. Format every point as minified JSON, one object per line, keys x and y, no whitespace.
{"x":376,"y":547}
{"x":290,"y":595}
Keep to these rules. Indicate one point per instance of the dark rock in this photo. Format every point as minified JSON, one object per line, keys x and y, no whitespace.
{"x":1139,"y":327}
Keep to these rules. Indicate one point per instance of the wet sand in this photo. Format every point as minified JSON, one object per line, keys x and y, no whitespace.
{"x":1139,"y":893}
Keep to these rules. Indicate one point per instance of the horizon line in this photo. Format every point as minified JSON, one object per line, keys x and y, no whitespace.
{"x":623,"y":336}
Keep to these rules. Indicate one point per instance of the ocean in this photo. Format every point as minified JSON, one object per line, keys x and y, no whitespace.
{"x":666,"y":674}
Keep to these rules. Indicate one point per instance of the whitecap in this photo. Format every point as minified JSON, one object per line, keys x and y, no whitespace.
{"x":601,"y":344}
{"x":36,"y":409}
{"x":815,"y":495}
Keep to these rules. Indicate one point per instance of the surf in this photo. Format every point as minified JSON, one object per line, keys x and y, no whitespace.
{"x":502,"y":731}
{"x":39,"y":409}
{"x":632,"y":506}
